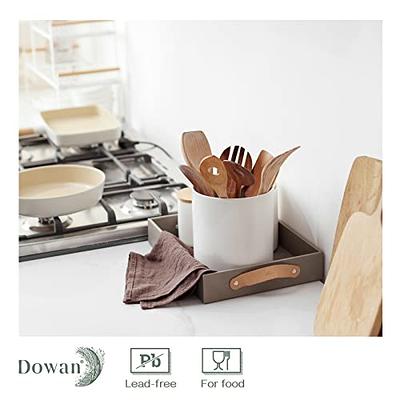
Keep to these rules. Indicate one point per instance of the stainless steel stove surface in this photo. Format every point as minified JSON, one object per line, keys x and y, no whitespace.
{"x":141,"y":182}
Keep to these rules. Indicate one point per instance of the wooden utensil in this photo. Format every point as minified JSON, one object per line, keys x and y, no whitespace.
{"x":214,"y":172}
{"x":238,"y":155}
{"x":199,"y":183}
{"x":359,"y":229}
{"x":195,"y":147}
{"x":263,"y":159}
{"x":239,"y":175}
{"x":350,"y":303}
{"x":231,"y":187}
{"x":271,"y":170}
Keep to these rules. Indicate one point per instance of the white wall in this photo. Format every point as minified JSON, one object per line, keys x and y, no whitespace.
{"x":269,"y":85}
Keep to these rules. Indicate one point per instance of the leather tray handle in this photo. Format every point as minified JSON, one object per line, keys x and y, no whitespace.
{"x":264,"y":274}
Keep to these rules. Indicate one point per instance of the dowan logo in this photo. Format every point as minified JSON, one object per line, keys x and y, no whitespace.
{"x":87,"y":370}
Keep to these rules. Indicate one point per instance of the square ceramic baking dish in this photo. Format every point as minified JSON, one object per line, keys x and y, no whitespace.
{"x":81,"y":126}
{"x":296,"y":261}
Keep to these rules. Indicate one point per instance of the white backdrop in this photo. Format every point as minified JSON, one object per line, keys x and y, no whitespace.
{"x":265,"y":84}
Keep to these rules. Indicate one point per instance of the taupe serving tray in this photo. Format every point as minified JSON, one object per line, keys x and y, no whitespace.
{"x":296,"y":261}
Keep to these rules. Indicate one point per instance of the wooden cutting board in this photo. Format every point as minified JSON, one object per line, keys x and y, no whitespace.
{"x":362,"y":193}
{"x":351,"y":300}
{"x":350,"y":303}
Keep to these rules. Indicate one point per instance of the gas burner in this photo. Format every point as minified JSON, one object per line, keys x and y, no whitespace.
{"x":25,"y":156}
{"x":143,"y":199}
{"x":88,"y":147}
{"x":139,"y":203}
{"x":46,"y":225}
{"x":94,"y":147}
{"x":121,"y":215}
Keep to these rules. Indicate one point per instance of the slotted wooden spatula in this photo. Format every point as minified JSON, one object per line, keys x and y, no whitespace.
{"x":213,"y":171}
{"x":238,"y":155}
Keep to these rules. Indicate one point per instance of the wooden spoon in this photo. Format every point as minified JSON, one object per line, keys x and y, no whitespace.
{"x":195,"y":147}
{"x":263,"y":159}
{"x":238,"y":155}
{"x":240,"y":175}
{"x":214,"y":172}
{"x":231,"y":187}
{"x":271,"y":170}
{"x":199,"y":183}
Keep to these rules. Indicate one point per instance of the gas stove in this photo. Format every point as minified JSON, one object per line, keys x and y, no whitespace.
{"x":141,"y":182}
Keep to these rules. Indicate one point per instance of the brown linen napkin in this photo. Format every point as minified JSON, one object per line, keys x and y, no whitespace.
{"x":163,"y":275}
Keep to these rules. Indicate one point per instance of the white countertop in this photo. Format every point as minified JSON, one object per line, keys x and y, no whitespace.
{"x":81,"y":294}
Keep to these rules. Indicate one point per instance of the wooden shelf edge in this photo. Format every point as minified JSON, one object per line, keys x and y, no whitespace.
{"x":56,"y":23}
{"x":87,"y":72}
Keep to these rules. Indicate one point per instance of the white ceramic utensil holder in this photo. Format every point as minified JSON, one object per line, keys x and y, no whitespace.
{"x":236,"y":232}
{"x":185,"y":229}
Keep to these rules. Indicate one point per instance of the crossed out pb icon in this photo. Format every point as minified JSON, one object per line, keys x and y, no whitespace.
{"x":150,"y":360}
{"x":147,"y":358}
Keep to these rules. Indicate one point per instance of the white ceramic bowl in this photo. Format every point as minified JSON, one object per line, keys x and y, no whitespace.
{"x":59,"y":190}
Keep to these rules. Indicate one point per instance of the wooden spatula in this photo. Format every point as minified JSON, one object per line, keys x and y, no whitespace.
{"x":271,"y":170}
{"x":214,"y":172}
{"x":263,"y":159}
{"x":240,"y":175}
{"x":195,"y":147}
{"x":199,"y":183}
{"x":238,"y":155}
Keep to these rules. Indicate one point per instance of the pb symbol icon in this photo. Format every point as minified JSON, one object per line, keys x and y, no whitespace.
{"x":146,"y":358}
{"x":150,"y":360}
